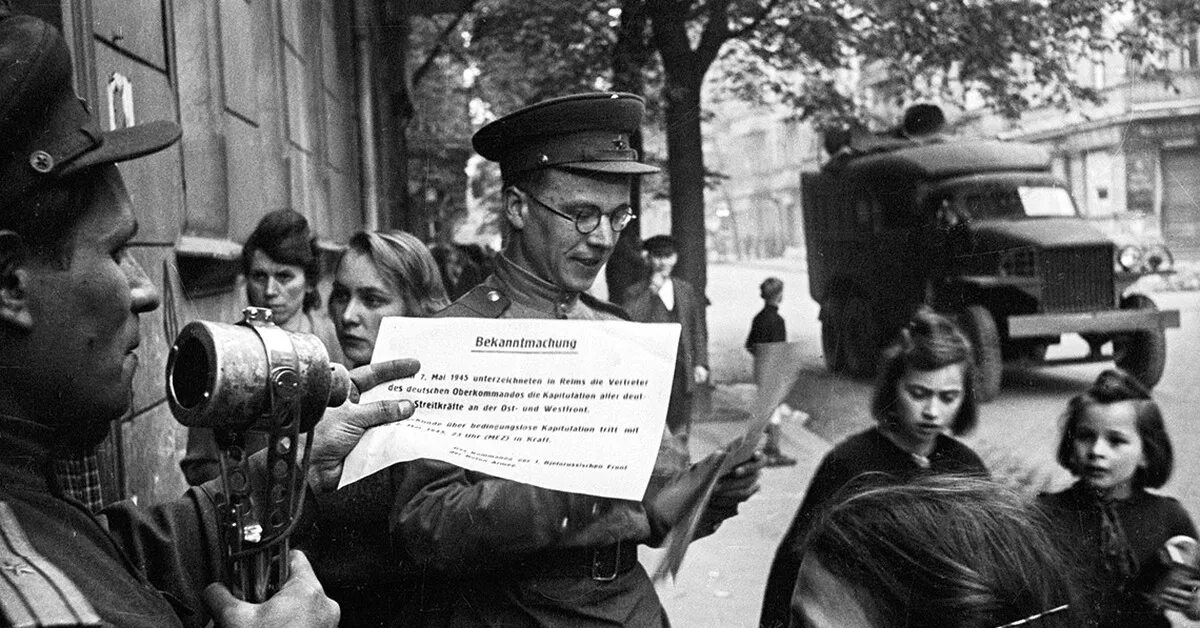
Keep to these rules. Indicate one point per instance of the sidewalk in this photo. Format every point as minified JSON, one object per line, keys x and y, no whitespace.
{"x":723,"y":577}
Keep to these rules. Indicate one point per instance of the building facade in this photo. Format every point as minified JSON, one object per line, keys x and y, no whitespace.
{"x":283,"y":103}
{"x":1133,"y":161}
{"x":753,"y":210}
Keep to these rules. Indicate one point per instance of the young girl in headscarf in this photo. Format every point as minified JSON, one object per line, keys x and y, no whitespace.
{"x":1114,"y":441}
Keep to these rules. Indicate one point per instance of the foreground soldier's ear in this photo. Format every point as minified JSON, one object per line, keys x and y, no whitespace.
{"x":14,"y":282}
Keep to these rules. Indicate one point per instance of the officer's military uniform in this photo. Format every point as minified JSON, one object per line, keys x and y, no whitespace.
{"x":520,"y":555}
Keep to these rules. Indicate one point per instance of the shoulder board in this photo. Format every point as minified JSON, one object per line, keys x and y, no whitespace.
{"x":482,"y":301}
{"x":603,"y":306}
{"x":34,"y":592}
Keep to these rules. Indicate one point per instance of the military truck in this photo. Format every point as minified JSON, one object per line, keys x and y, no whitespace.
{"x":979,"y":229}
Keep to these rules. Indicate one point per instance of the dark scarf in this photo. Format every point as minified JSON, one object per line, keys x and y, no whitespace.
{"x":1116,"y":554}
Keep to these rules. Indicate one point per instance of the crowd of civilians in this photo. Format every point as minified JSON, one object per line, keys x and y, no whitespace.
{"x":885,"y":510}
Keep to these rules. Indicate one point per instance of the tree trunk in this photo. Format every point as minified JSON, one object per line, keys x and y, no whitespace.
{"x":395,"y":112}
{"x":685,"y":167}
{"x":630,"y":55}
{"x":625,"y":267}
{"x":684,"y":69}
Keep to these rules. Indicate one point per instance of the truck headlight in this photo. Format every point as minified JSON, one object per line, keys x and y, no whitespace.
{"x":1158,"y":258}
{"x":1129,"y":258}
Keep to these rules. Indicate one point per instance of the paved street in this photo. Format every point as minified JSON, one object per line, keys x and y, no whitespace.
{"x":721,"y":582}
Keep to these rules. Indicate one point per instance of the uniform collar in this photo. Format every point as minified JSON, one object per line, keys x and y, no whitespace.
{"x":24,"y":453}
{"x":527,"y":289}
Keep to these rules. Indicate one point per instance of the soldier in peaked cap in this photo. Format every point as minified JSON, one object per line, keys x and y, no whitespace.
{"x":520,"y":555}
{"x":70,"y":297}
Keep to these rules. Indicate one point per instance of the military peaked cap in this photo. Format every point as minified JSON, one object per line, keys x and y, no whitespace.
{"x":584,"y":132}
{"x":47,"y":130}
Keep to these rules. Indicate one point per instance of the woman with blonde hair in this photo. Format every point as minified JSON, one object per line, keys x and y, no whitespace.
{"x":361,"y":565}
{"x":382,"y":273}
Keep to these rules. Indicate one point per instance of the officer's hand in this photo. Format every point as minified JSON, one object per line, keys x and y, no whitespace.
{"x":731,"y":490}
{"x":700,"y":374}
{"x":1182,"y":596}
{"x":300,"y":602}
{"x":342,"y":427}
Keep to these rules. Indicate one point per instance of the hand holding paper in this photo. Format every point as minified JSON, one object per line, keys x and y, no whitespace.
{"x":738,"y":462}
{"x":343,"y":427}
{"x":676,"y":501}
{"x":731,"y":490}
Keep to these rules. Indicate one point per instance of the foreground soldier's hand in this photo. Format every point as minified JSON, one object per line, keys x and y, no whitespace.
{"x":342,"y":427}
{"x":300,"y":603}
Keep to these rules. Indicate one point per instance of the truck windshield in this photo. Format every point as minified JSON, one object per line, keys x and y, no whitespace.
{"x":1001,"y":203}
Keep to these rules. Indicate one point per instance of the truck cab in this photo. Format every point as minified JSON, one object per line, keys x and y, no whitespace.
{"x":980,"y":230}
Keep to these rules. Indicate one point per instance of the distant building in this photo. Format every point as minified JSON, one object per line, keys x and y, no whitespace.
{"x":753,"y":210}
{"x":1133,"y":162}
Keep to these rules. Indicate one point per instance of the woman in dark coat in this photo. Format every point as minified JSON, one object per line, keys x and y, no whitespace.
{"x":360,"y":564}
{"x":925,"y":389}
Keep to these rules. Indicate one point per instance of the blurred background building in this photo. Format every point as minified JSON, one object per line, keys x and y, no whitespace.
{"x":1133,"y":161}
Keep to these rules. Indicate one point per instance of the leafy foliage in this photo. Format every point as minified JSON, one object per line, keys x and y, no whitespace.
{"x":530,"y":50}
{"x":1009,"y":54}
{"x":835,"y":62}
{"x":825,"y":59}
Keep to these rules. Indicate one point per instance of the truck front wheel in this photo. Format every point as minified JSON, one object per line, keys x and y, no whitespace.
{"x":831,"y":334}
{"x":1142,"y":353}
{"x":980,"y":328}
{"x":859,"y":337}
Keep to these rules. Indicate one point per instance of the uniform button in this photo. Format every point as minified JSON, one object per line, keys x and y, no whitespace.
{"x":493,"y":296}
{"x":41,"y":161}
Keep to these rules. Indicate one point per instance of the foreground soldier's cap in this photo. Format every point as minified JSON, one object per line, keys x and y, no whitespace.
{"x":583,"y":132}
{"x":46,"y":130}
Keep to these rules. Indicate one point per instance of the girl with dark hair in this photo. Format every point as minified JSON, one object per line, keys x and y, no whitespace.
{"x":924,"y":390}
{"x":282,"y":268}
{"x":941,"y":551}
{"x":1115,"y":442}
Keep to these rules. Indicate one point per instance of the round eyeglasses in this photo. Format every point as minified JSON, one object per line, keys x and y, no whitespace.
{"x":588,"y":218}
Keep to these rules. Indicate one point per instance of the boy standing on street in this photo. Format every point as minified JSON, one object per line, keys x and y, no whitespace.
{"x":767,"y":327}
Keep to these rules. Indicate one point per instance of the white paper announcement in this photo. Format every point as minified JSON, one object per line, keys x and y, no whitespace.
{"x":576,"y":406}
